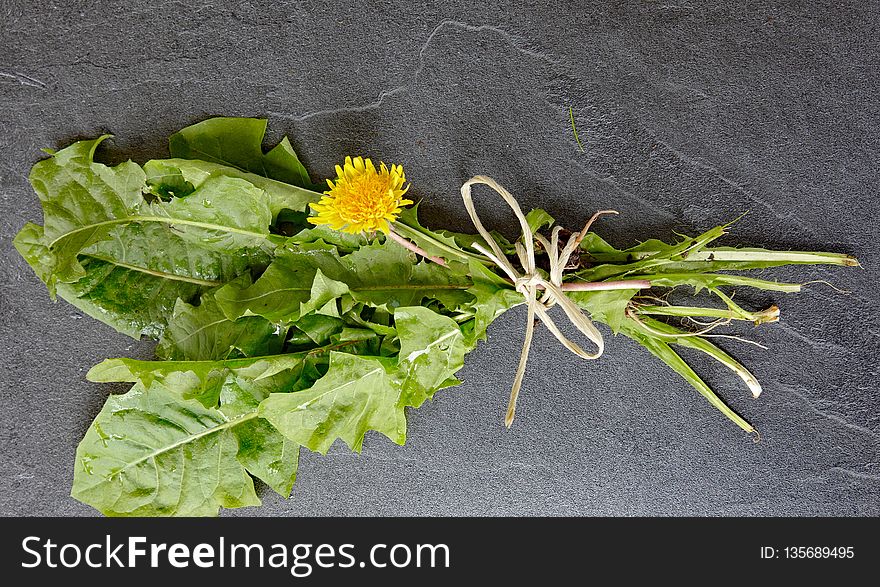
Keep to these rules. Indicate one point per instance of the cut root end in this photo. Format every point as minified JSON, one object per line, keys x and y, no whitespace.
{"x":751,"y":382}
{"x":768,"y":316}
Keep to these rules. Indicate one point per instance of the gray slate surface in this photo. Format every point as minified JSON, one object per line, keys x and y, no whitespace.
{"x":690,"y":116}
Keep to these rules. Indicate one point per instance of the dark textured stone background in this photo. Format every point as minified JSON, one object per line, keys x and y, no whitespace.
{"x":689,"y":115}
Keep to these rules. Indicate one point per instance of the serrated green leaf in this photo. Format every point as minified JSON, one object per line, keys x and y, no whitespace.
{"x":649,"y":256}
{"x":264,"y":452}
{"x":387,"y":276}
{"x":356,"y":395}
{"x":150,"y":453}
{"x":281,"y":290}
{"x":237,"y":386}
{"x":132,"y":302}
{"x":697,"y":257}
{"x":30,"y":244}
{"x":433,"y":281}
{"x":131,"y":284}
{"x":594,"y":245}
{"x":280,"y":196}
{"x":81,"y":201}
{"x":223,"y":213}
{"x":324,"y":290}
{"x":343,"y":241}
{"x":86,"y":204}
{"x":238,"y":142}
{"x":319,"y":327}
{"x":203,"y":333}
{"x":383,"y":275}
{"x":188,"y":259}
{"x":268,"y":455}
{"x":492,"y":297}
{"x":538,"y":219}
{"x":608,"y":307}
{"x":203,"y":380}
{"x":432,"y":350}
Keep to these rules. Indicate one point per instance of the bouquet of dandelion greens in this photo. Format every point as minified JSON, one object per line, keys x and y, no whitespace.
{"x":290,"y":315}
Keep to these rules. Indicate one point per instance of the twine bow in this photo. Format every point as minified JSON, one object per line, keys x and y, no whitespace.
{"x":530,"y":281}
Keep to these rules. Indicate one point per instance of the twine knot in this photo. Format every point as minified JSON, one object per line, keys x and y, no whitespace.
{"x":527,"y":282}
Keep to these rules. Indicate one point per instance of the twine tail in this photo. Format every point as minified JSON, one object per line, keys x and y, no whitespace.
{"x":521,"y":369}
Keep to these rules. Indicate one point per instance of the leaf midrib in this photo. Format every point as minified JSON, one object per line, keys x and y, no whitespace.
{"x":161,"y":274}
{"x":177,"y":444}
{"x":306,"y":404}
{"x":395,"y":286}
{"x":275,"y":239}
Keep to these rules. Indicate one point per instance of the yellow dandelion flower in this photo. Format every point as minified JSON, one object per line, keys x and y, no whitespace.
{"x":363,"y":199}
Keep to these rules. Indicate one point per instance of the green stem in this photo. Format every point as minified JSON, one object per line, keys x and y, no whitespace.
{"x":771,"y":314}
{"x":732,"y":255}
{"x":574,"y":129}
{"x":709,"y":280}
{"x":605,"y":285}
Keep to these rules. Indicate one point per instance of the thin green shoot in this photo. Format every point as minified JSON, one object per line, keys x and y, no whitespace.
{"x":575,"y":130}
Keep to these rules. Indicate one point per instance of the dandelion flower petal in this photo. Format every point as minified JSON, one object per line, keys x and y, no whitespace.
{"x":362,"y":198}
